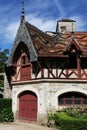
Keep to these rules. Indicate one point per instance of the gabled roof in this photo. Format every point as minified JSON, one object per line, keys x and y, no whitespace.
{"x":49,"y":46}
{"x":44,"y":44}
{"x":40,"y":44}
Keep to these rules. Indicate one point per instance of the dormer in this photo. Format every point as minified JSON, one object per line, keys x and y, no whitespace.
{"x":73,"y":47}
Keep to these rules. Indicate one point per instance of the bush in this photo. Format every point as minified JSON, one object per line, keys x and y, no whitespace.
{"x":50,"y":116}
{"x":51,"y":121}
{"x":5,"y":103}
{"x":1,"y":84}
{"x":7,"y":115}
{"x":66,"y":122}
{"x":77,"y":111}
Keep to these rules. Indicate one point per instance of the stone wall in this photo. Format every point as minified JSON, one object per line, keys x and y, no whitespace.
{"x":7,"y":88}
{"x":47,"y":93}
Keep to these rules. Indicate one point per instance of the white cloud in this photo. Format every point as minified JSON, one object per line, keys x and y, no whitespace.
{"x":44,"y":25}
{"x":80,"y":22}
{"x":60,"y":8}
{"x":11,"y":30}
{"x":42,"y":14}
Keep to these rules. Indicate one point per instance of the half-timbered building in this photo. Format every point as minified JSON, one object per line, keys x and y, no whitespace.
{"x":46,"y":71}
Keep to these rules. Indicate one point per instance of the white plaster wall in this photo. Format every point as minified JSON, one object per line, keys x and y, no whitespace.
{"x":69,"y":26}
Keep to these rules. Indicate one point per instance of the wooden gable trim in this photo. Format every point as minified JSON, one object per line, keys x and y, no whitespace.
{"x":73,"y":41}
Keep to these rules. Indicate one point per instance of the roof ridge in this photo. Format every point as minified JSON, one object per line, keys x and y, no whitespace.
{"x":42,"y":32}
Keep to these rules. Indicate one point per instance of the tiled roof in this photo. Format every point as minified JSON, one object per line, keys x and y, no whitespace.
{"x":49,"y":46}
{"x":66,"y":20}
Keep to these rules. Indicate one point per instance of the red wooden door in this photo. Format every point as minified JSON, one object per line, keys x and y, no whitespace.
{"x":28,"y":106}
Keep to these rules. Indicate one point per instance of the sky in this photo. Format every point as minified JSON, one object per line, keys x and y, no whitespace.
{"x":43,"y":14}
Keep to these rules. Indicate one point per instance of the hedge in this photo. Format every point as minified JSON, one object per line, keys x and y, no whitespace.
{"x":5,"y":103}
{"x":69,"y":123}
{"x":6,"y":113}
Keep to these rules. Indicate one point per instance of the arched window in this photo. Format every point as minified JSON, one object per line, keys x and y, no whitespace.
{"x":72,"y":98}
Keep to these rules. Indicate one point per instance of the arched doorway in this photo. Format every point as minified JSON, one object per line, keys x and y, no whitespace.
{"x":72,"y":98}
{"x":28,"y":106}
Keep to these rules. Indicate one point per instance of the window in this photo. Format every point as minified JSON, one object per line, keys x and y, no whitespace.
{"x":72,"y":64}
{"x":72,"y":98}
{"x":72,"y":61}
{"x":23,"y":60}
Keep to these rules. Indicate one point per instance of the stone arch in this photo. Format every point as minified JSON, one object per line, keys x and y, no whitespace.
{"x":28,"y":44}
{"x":16,"y":94}
{"x":27,"y":106}
{"x":66,"y":90}
{"x":20,"y":48}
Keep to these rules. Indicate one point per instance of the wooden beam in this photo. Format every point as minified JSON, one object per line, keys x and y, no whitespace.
{"x":79,"y":68}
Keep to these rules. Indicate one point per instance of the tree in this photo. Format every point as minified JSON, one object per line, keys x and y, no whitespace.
{"x":3,"y":58}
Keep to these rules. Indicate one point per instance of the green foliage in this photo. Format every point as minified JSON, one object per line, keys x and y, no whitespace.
{"x":3,"y":58}
{"x":1,"y":84}
{"x":50,"y":116}
{"x":77,"y":111}
{"x":1,"y":81}
{"x":5,"y":103}
{"x":7,"y":115}
{"x":66,"y":122}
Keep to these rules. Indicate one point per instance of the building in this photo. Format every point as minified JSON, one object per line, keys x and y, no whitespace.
{"x":46,"y":72}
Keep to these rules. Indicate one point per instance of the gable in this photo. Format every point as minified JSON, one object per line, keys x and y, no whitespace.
{"x":73,"y":44}
{"x":24,"y":37}
{"x":40,"y":44}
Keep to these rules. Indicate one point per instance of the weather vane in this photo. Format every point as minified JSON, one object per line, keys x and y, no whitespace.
{"x":22,"y":3}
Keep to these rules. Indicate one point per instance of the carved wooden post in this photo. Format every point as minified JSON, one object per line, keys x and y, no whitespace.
{"x":78,"y":67}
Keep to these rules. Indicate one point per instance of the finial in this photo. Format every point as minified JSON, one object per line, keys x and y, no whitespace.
{"x":22,"y":12}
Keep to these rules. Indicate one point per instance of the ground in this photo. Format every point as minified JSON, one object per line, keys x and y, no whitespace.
{"x":23,"y":126}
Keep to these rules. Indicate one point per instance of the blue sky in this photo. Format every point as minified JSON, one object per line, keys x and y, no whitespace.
{"x":42,"y":13}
